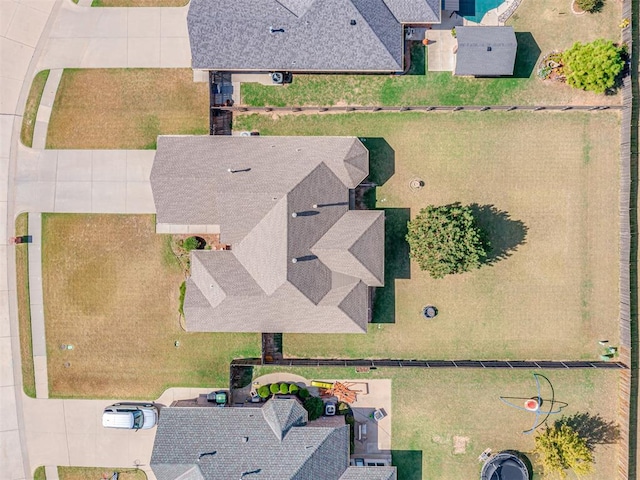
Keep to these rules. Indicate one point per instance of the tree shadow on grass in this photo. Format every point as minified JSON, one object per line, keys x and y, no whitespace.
{"x":593,"y":428}
{"x":503,"y":233}
{"x":527,"y":55}
{"x":409,"y":463}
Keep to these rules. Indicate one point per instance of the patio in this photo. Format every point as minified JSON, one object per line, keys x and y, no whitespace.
{"x":373,"y":439}
{"x":440,"y":57}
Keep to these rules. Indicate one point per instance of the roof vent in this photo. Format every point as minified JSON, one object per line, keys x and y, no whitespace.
{"x":294,"y":214}
{"x":245,"y":439}
{"x":276,"y":30}
{"x":352,"y":22}
{"x":315,"y":205}
{"x":488,"y":49}
{"x":294,"y":260}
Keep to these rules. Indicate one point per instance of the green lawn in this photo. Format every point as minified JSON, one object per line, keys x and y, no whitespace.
{"x":111,"y":289}
{"x":541,"y":26}
{"x":96,"y":473}
{"x":547,"y":189}
{"x":431,"y":407}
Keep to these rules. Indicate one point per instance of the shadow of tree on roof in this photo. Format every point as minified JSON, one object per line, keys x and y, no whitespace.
{"x":593,"y":428}
{"x":503,"y":233}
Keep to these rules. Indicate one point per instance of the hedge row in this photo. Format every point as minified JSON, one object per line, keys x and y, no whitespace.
{"x":282,"y":388}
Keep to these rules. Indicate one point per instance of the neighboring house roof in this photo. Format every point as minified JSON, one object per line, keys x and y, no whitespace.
{"x":369,"y":473}
{"x":485,"y":51}
{"x":225,"y":443}
{"x":415,"y":11}
{"x":303,"y":35}
{"x":285,"y":199}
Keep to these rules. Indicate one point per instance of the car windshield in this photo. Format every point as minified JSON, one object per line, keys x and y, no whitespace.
{"x":138,"y":419}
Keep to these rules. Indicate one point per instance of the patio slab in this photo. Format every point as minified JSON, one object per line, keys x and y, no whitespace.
{"x":440,"y":56}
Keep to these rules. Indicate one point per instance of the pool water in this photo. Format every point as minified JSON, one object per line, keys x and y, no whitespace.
{"x":474,"y":10}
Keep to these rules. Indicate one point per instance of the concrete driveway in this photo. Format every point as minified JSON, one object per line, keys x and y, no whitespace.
{"x":70,"y":432}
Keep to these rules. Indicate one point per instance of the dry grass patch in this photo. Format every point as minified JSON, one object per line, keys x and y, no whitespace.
{"x":126,"y":108}
{"x":24,"y":308}
{"x":98,"y":473}
{"x":111,"y":288}
{"x":31,"y":108}
{"x":434,"y":412}
{"x":556,"y":294}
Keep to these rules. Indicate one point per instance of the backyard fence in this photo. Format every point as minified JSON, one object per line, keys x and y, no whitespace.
{"x":508,"y":364}
{"x":627,"y":403}
{"x":421,"y":108}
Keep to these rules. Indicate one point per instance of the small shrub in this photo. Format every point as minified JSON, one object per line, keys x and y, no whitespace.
{"x":274,"y":388}
{"x":590,"y":5}
{"x":303,"y":393}
{"x":192,"y":243}
{"x":263,"y":391}
{"x":314,"y":406}
{"x":294,"y":389}
{"x":453,"y":32}
{"x":343,"y":408}
{"x":183,"y":291}
{"x":284,"y":388}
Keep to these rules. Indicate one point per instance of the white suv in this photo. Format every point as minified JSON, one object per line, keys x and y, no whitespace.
{"x":132,"y":416}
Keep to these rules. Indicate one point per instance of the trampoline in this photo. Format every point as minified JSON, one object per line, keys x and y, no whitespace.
{"x":504,"y":466}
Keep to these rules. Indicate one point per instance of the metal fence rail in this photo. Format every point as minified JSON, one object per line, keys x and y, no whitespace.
{"x":424,"y":108}
{"x":508,"y":364}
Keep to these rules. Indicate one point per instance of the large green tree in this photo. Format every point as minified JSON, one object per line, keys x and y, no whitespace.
{"x":593,"y":66}
{"x":446,"y":239}
{"x":561,"y":448}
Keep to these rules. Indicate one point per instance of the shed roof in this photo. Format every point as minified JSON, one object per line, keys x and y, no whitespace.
{"x":485,"y":51}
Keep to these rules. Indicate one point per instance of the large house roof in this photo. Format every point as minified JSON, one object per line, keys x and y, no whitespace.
{"x":301,"y":261}
{"x":303,"y":35}
{"x":199,"y":443}
{"x":485,"y":51}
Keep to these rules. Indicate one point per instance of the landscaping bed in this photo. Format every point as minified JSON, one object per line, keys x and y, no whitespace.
{"x":442,"y":420}
{"x":111,"y":290}
{"x":126,"y":108}
{"x":546,"y":189}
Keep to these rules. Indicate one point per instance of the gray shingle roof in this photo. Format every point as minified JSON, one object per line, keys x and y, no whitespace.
{"x":349,"y":246}
{"x":256,"y":287}
{"x":415,"y":11}
{"x":485,"y":51}
{"x":369,"y":473}
{"x":318,"y":35}
{"x":244,"y":441}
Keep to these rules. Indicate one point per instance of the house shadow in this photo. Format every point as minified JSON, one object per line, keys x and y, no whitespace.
{"x":527,"y":55}
{"x":397,"y":264}
{"x":408,"y":463}
{"x":382,"y":160}
{"x":502,"y":232}
{"x":593,"y":428}
{"x":417,"y":54}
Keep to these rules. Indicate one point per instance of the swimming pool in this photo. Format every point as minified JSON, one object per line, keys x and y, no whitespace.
{"x":474,"y":10}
